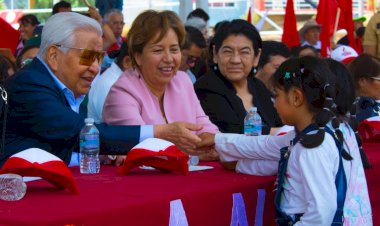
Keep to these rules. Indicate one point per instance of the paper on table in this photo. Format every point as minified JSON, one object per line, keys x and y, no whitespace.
{"x":191,"y":168}
{"x":27,"y":179}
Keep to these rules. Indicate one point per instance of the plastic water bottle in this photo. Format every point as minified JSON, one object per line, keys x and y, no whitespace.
{"x":252,"y":123}
{"x":12,"y":187}
{"x":89,"y":148}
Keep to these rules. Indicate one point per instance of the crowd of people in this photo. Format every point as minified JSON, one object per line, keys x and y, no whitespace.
{"x":175,"y":81}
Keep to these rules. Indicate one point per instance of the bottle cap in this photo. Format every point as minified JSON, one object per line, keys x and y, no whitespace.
{"x":89,"y":121}
{"x":253,"y":109}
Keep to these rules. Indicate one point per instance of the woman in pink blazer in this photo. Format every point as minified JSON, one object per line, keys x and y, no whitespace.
{"x":155,"y":92}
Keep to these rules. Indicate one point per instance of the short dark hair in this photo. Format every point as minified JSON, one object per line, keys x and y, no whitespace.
{"x":364,"y":66}
{"x":295,"y":51}
{"x":272,"y":48}
{"x":60,"y":4}
{"x":194,"y":36}
{"x":238,"y":27}
{"x":198,"y":12}
{"x":29,"y":19}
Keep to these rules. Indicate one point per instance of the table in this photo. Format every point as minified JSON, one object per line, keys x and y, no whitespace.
{"x":141,"y":198}
{"x":373,"y":153}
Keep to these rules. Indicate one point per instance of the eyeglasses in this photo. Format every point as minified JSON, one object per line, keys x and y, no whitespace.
{"x":121,"y":23}
{"x":192,"y":60}
{"x":88,"y":56}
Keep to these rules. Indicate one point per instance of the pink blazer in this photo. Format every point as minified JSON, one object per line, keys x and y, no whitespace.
{"x":130,"y":102}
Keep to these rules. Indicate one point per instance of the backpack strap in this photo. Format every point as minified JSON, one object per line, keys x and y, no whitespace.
{"x":340,"y":182}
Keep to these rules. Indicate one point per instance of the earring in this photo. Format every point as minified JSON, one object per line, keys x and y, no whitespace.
{"x":254,"y":70}
{"x":215,"y":67}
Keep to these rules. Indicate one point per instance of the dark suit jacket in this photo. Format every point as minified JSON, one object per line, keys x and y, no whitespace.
{"x":39,"y":116}
{"x":226,"y":110}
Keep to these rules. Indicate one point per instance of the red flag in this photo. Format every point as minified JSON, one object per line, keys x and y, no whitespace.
{"x":290,"y":26}
{"x":9,"y":37}
{"x":249,"y":17}
{"x":326,"y":14}
{"x":346,"y":22}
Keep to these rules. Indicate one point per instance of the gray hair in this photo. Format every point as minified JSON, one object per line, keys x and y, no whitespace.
{"x":60,"y":29}
{"x":196,"y":22}
{"x":111,"y":12}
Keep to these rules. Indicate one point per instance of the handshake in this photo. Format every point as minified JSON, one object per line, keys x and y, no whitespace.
{"x":182,"y":135}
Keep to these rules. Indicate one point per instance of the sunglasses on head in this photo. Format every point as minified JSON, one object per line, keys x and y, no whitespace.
{"x":87,"y":57}
{"x":375,"y":78}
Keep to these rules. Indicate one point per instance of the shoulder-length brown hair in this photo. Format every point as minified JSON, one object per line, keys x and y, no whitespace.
{"x":147,"y":25}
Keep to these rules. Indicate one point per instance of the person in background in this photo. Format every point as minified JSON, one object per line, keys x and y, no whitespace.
{"x":29,"y":51}
{"x":199,"y":18}
{"x":365,"y":70}
{"x":229,"y":90}
{"x":115,"y":20}
{"x":300,"y":51}
{"x":371,"y":42}
{"x":309,"y":34}
{"x":102,"y":84}
{"x":27,"y":25}
{"x":200,"y":13}
{"x":155,"y":92}
{"x":192,"y":50}
{"x":61,"y":6}
{"x":273,"y":53}
{"x":7,"y":69}
{"x":199,"y":24}
{"x":359,"y":30}
{"x":109,"y":38}
{"x":43,"y":111}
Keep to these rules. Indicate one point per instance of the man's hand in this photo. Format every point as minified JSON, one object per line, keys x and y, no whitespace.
{"x":181,"y":134}
{"x":94,"y":14}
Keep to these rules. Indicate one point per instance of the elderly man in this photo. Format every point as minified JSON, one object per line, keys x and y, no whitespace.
{"x":115,"y":20}
{"x":44,"y":98}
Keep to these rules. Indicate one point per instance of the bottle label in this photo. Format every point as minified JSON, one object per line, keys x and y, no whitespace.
{"x":90,"y":141}
{"x":252,"y":130}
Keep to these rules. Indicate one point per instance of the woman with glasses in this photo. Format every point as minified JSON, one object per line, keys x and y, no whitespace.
{"x":229,"y":90}
{"x":155,"y":91}
{"x":365,"y":70}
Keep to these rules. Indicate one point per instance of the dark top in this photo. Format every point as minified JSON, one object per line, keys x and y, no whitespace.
{"x":226,"y":110}
{"x":366,"y":107}
{"x":39,"y":116}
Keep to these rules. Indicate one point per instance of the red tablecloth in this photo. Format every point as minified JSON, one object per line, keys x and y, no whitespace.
{"x":140,"y":198}
{"x":373,"y":153}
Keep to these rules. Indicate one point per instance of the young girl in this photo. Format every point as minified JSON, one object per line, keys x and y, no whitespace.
{"x":309,"y":194}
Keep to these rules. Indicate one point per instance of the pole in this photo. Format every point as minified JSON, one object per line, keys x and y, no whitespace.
{"x":336,"y":24}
